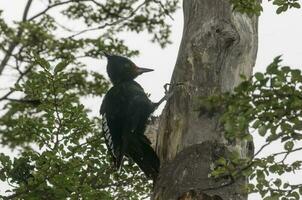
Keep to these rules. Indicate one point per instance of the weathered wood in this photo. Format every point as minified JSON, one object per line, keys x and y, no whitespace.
{"x":217,"y":46}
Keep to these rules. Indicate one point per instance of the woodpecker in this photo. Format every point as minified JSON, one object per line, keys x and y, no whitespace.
{"x":125,"y":111}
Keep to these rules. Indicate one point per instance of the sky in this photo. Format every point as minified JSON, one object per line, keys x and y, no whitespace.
{"x":278,"y":35}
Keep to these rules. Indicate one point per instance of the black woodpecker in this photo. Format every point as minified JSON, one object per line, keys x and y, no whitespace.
{"x":125,"y":111}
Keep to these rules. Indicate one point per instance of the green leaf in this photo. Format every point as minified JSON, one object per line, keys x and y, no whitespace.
{"x":221,"y":161}
{"x":271,"y":198}
{"x":42,"y":62}
{"x":285,"y":127}
{"x":286,"y":185}
{"x":300,"y":190}
{"x":270,"y":159}
{"x":61,"y":66}
{"x":286,"y":69}
{"x":279,"y":10}
{"x":262,"y":130}
{"x":279,"y":2}
{"x":289,"y":145}
{"x":296,"y":75}
{"x":273,"y":67}
{"x":282,"y":9}
{"x":296,"y":5}
{"x":295,"y":195}
{"x":297,"y":164}
{"x":256,"y":124}
{"x":259,"y":76}
{"x":278,"y":182}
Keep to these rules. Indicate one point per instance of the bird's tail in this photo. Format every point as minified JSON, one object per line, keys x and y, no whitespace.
{"x":141,"y":152}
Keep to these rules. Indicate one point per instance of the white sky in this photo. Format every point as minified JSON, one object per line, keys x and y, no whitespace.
{"x":278,"y":34}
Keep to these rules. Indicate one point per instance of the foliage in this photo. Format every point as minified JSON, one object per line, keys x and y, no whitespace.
{"x":269,"y":104}
{"x":252,"y":7}
{"x":64,"y":154}
{"x":61,"y":151}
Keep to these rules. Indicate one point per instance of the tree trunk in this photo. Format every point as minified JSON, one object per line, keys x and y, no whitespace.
{"x":218,"y":46}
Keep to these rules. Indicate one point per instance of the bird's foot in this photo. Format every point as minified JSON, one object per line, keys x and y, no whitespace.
{"x":169,"y":91}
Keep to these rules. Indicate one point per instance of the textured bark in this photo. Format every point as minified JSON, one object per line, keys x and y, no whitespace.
{"x":217,"y":46}
{"x":151,"y":130}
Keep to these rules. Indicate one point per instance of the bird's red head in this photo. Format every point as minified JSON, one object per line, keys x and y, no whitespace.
{"x":122,"y":69}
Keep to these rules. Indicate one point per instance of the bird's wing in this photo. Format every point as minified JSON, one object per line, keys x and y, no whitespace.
{"x":107,"y":135}
{"x":112,"y":122}
{"x":125,"y":111}
{"x":138,"y":145}
{"x":138,"y":109}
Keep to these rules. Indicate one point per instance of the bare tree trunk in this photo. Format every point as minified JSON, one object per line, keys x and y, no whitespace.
{"x":217,"y":46}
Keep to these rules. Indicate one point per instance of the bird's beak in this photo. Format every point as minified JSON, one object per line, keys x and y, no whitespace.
{"x":141,"y":70}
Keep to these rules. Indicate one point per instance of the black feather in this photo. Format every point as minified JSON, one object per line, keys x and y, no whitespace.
{"x":125,"y":111}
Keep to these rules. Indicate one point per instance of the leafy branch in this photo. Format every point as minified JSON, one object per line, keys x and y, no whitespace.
{"x":268,"y":104}
{"x":71,"y":157}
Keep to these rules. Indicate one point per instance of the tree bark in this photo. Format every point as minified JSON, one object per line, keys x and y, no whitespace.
{"x":217,"y":46}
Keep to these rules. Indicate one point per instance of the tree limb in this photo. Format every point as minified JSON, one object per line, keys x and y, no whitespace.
{"x":14,"y":43}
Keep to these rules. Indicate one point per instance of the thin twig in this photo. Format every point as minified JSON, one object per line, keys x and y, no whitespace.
{"x":286,"y":152}
{"x":5,"y":97}
{"x":110,"y":24}
{"x":163,"y":7}
{"x":51,"y":7}
{"x":259,"y":151}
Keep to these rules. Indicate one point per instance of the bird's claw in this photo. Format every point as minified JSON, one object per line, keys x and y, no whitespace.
{"x":169,"y":91}
{"x":166,"y":87}
{"x":171,"y":86}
